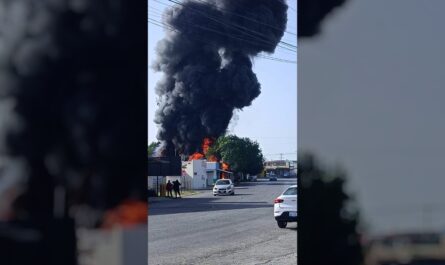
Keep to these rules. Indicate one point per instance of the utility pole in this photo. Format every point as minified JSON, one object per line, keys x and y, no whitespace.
{"x":281,"y":156}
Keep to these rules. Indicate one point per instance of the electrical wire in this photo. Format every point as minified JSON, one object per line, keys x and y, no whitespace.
{"x":238,"y":27}
{"x":289,"y":47}
{"x":294,"y":153}
{"x":168,"y":27}
{"x":276,"y":59}
{"x":249,"y":18}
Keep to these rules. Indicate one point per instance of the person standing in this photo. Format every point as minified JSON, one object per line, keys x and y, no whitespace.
{"x":176,"y":185}
{"x":169,"y":188}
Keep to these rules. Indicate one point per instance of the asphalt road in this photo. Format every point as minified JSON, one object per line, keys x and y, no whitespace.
{"x":240,"y":229}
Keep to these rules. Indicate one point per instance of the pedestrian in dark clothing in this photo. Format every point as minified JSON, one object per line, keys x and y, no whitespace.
{"x":176,"y":185}
{"x":169,"y":189}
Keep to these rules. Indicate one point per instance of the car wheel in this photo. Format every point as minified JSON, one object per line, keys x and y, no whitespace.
{"x":214,"y":194}
{"x":233,"y":193}
{"x":282,"y":224}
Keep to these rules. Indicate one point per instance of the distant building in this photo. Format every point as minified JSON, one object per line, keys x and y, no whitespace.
{"x":284,"y":168}
{"x":406,"y":248}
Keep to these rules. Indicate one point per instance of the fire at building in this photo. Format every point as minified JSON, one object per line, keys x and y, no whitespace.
{"x":199,"y":171}
{"x":207,"y":71}
{"x":213,"y":163}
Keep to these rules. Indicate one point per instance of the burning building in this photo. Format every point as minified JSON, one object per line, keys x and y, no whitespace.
{"x":206,"y":60}
{"x":200,"y":174}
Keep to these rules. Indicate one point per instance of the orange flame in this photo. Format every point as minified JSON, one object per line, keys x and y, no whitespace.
{"x":126,"y":214}
{"x":225,"y":166}
{"x":207,"y":142}
{"x":212,"y":158}
{"x":196,"y":156}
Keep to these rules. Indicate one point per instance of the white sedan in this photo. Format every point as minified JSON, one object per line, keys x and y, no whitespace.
{"x":224,"y":187}
{"x":285,"y":207}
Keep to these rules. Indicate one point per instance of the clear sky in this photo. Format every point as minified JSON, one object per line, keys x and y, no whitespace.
{"x":271,"y":120}
{"x":371,"y":91}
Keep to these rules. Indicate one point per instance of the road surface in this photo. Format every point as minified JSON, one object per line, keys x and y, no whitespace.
{"x":240,"y":229}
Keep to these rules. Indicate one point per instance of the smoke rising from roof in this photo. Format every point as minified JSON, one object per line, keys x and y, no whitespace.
{"x":206,"y":61}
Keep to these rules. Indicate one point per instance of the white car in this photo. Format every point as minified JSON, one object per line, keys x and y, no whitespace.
{"x":224,"y":187}
{"x":285,"y":207}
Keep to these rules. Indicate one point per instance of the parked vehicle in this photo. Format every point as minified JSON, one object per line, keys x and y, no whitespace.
{"x":285,"y":207}
{"x":252,"y":178}
{"x":411,"y":248}
{"x":273,"y":178}
{"x":224,"y":187}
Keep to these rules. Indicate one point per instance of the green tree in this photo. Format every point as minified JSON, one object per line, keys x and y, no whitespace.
{"x":328,"y":220}
{"x":242,"y":154}
{"x":151,"y":148}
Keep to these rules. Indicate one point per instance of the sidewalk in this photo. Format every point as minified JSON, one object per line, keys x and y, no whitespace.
{"x":185,"y":193}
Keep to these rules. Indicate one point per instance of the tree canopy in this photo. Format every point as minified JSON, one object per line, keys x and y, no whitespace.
{"x":242,"y":154}
{"x":152,"y":147}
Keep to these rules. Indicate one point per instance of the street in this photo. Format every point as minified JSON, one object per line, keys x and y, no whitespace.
{"x":239,"y":229}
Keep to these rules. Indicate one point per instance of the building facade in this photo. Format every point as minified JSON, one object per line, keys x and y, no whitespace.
{"x":283,"y":168}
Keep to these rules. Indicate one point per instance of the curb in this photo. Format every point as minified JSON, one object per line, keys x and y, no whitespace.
{"x":160,"y":199}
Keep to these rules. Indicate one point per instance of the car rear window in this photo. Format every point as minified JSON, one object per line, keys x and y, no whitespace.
{"x":291,"y":191}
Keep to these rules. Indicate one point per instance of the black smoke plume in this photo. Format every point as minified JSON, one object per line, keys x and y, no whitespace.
{"x":311,"y":13}
{"x":206,"y":61}
{"x":76,"y":79}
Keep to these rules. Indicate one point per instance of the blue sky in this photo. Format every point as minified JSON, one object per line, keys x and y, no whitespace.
{"x":271,"y":120}
{"x":372,"y":100}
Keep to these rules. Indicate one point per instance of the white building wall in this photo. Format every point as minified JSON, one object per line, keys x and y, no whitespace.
{"x":152,"y":181}
{"x":197,"y":171}
{"x":196,"y":174}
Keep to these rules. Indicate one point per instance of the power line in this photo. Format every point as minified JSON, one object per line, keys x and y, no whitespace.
{"x":258,"y":55}
{"x":289,"y":47}
{"x":168,"y":27}
{"x":293,"y":153}
{"x":276,"y":59}
{"x":154,"y":15}
{"x":154,"y":8}
{"x":293,"y":9}
{"x":162,"y":25}
{"x":238,"y":27}
{"x":274,"y":137}
{"x":231,"y":36}
{"x":249,"y":18}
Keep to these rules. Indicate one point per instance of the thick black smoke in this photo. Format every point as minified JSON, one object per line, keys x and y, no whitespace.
{"x":76,"y":79}
{"x":312,"y":12}
{"x":206,"y":61}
